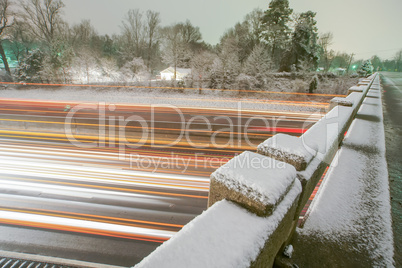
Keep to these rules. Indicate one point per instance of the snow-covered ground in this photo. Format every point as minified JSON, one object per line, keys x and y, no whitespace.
{"x":281,"y":93}
{"x":177,"y":97}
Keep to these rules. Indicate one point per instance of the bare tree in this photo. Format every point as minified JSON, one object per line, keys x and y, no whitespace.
{"x":325,"y":41}
{"x":81,"y":34}
{"x":139,"y":36}
{"x":152,"y":24}
{"x":255,"y":20}
{"x":133,"y":34}
{"x":247,"y":34}
{"x":5,"y":16}
{"x":398,"y":61}
{"x":44,"y":22}
{"x":350,"y":61}
{"x":44,"y":18}
{"x":190,"y":34}
{"x":20,"y":39}
{"x":201,"y":65}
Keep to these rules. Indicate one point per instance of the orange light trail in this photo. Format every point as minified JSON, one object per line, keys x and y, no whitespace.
{"x":85,"y":138}
{"x":162,"y":108}
{"x":215,"y":160}
{"x":187,"y":184}
{"x":83,"y":216}
{"x":119,"y":189}
{"x":132,"y":127}
{"x":180,"y":88}
{"x":58,"y":227}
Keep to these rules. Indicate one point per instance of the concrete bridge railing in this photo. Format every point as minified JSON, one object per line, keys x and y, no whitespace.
{"x":256,"y":198}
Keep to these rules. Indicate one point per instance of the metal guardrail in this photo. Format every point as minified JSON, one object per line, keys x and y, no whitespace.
{"x":18,"y":263}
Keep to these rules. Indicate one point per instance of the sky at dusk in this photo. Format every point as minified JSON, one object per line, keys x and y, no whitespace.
{"x":363,"y":27}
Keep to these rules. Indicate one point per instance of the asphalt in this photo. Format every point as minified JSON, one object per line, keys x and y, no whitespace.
{"x":42,"y":174}
{"x":392,"y":109}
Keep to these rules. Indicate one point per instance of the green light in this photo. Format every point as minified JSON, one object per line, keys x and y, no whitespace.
{"x":354,"y":67}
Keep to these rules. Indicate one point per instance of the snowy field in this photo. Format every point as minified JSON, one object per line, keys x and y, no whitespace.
{"x":282,"y":94}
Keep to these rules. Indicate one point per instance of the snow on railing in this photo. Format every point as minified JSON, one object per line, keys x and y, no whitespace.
{"x":256,"y":198}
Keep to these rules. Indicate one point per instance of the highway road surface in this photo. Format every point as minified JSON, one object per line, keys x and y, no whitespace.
{"x":392,"y":109}
{"x":107,"y":184}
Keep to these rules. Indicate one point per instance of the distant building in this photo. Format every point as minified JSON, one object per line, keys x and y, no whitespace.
{"x":340,"y":71}
{"x":181,"y":73}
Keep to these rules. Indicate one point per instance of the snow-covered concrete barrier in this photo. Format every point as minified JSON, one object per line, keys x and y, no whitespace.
{"x":229,"y":235}
{"x":256,"y":198}
{"x":245,"y":181}
{"x":340,"y":101}
{"x":352,"y":207}
{"x":322,"y":141}
{"x":356,"y":89}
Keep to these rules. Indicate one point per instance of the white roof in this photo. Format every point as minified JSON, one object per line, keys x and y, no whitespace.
{"x":178,"y":70}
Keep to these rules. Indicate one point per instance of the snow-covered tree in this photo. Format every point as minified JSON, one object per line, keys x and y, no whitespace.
{"x":88,"y":67}
{"x":304,"y":51}
{"x":57,"y":62}
{"x":83,"y":66}
{"x":6,"y":19}
{"x":31,"y":66}
{"x":227,"y":67}
{"x":258,"y":65}
{"x":176,"y":51}
{"x":377,"y":63}
{"x":245,"y":81}
{"x":109,"y":70}
{"x":135,"y":71}
{"x":216,"y":76}
{"x":366,"y":68}
{"x":201,"y":66}
{"x":313,"y":85}
{"x":276,"y":31}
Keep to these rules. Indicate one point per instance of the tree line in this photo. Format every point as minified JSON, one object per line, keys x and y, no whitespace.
{"x":46,"y":48}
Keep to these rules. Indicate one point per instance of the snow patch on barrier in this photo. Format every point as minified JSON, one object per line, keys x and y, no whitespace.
{"x":342,"y":101}
{"x":325,"y":135}
{"x":255,"y":177}
{"x":289,"y":149}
